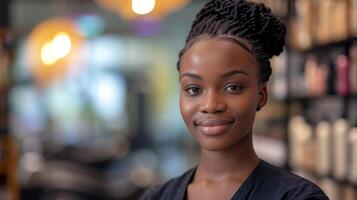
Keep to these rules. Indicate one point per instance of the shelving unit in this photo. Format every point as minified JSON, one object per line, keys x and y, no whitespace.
{"x":293,"y":96}
{"x":328,"y":106}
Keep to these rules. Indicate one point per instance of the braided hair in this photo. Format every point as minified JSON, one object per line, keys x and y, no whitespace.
{"x":241,"y":20}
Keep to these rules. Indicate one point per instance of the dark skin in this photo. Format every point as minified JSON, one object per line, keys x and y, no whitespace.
{"x":220,"y":92}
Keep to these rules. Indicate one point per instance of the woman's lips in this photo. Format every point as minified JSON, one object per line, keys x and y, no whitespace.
{"x":212,"y":127}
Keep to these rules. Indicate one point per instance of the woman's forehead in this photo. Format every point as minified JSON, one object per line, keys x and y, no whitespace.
{"x":218,"y":52}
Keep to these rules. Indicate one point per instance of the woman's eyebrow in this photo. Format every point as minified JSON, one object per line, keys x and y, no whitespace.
{"x":225,"y":75}
{"x":234,"y":72}
{"x":192,"y":75}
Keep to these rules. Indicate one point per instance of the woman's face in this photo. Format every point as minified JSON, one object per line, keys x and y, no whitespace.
{"x":219,"y":92}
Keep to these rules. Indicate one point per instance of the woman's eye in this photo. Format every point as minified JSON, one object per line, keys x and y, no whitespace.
{"x":193,"y":91}
{"x":233,"y":88}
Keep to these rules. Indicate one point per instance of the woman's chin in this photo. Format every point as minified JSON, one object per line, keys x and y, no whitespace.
{"x":215,"y":146}
{"x":222,"y":143}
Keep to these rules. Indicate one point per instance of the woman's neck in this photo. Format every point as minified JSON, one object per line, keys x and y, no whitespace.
{"x":235,"y":163}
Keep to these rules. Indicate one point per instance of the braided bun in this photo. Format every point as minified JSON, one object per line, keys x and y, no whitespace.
{"x":243,"y":20}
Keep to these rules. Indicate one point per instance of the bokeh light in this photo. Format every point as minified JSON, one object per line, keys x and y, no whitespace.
{"x":53,"y":45}
{"x":143,"y":7}
{"x":56,"y":49}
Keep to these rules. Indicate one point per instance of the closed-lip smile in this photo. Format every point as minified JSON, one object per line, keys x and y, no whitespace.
{"x":213,"y":122}
{"x":213,"y":127}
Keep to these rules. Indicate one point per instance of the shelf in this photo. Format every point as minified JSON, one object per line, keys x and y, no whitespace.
{"x":326,"y":46}
{"x":317,"y":98}
{"x":292,"y":99}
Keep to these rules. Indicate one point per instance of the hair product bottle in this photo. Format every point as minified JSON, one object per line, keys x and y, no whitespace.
{"x":300,"y":135}
{"x":323,"y":135}
{"x":316,"y":77}
{"x":340,"y":143}
{"x":324,"y":20}
{"x":339,"y":20}
{"x":279,"y":81}
{"x":342,"y":75}
{"x":303,"y":24}
{"x":294,"y":144}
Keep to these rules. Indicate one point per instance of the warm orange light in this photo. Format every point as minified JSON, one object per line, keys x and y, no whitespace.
{"x":52,"y":46}
{"x":125,"y":8}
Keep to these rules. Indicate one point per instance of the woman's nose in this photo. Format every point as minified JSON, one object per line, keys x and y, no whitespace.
{"x":212,"y":103}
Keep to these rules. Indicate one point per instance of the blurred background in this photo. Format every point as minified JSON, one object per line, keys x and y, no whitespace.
{"x":89,"y":97}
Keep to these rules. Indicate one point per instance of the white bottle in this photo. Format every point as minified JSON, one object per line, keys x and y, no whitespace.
{"x":300,"y":133}
{"x":323,"y":134}
{"x":340,"y":148}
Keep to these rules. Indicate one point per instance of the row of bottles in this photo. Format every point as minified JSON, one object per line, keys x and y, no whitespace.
{"x":316,"y":22}
{"x":338,"y":77}
{"x":329,"y":148}
{"x":319,"y":73}
{"x":320,"y":61}
{"x":328,"y":151}
{"x":322,"y":21}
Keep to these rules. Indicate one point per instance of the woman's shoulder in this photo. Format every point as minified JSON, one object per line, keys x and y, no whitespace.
{"x":287,"y":184}
{"x":172,"y":189}
{"x":279,"y":175}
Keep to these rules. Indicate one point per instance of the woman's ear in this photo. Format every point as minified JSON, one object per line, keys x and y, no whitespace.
{"x":263,"y":96}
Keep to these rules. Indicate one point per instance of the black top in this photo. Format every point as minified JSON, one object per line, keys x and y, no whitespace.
{"x":266,"y":182}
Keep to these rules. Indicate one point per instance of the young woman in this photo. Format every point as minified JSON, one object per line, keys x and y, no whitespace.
{"x":224,"y":68}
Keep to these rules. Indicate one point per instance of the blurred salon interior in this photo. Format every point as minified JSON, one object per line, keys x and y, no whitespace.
{"x":89,"y":97}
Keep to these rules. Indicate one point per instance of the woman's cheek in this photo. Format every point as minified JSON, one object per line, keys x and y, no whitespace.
{"x":186,"y":109}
